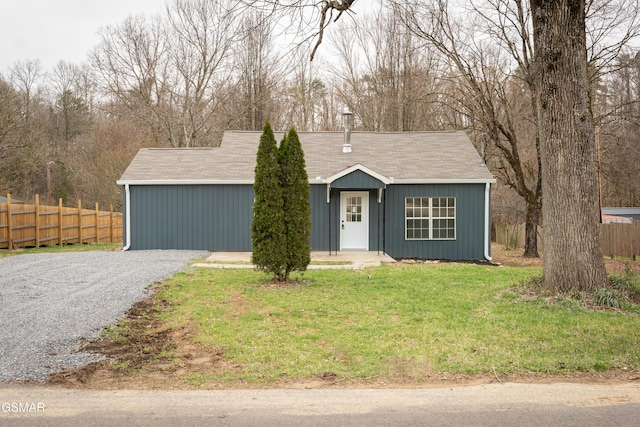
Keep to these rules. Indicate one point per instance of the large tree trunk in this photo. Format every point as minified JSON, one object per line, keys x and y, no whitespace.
{"x":531,"y":229}
{"x":573,"y":256}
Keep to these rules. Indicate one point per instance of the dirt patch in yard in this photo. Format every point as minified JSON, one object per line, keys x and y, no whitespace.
{"x":147,"y":355}
{"x":152,"y":356}
{"x":138,"y":364}
{"x":514,"y":258}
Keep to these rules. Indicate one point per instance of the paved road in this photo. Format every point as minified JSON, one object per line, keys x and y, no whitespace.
{"x":482,"y":405}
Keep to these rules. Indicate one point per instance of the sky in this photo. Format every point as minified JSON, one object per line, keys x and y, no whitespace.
{"x":60,"y":30}
{"x":65,"y":30}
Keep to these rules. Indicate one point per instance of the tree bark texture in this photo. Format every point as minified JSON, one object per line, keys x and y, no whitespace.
{"x":531,"y":229}
{"x":573,"y":259}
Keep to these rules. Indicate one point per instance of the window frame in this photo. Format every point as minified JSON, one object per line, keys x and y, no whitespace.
{"x":443,"y":214}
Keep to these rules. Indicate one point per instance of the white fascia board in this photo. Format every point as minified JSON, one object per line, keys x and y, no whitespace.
{"x":196,"y":181}
{"x":329,"y":180}
{"x":445,"y":181}
{"x":356,"y":167}
{"x":183,"y":181}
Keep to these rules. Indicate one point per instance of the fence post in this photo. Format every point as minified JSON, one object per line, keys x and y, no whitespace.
{"x":80,"y":222}
{"x":635,"y":239}
{"x":97,"y":224}
{"x":37,"y":220}
{"x":60,"y":239}
{"x":111,"y":223}
{"x":612,"y":247}
{"x":9,"y":223}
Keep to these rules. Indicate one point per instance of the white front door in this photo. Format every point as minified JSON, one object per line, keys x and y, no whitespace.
{"x":354,"y":220}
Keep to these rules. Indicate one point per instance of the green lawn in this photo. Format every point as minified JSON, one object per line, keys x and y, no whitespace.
{"x":397,"y":321}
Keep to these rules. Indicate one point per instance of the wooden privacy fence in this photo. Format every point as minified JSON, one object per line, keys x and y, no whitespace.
{"x":41,"y":225}
{"x":512,"y":235}
{"x":621,"y":239}
{"x":617,"y":239}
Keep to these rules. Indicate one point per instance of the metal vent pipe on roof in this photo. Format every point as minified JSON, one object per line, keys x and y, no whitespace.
{"x":346,"y":120}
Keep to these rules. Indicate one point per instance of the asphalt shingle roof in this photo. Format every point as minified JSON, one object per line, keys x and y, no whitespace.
{"x":402,"y":156}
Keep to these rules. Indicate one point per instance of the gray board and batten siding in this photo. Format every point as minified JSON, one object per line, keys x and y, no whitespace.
{"x":202,"y":198}
{"x":468,"y":244}
{"x":218,"y":218}
{"x":198,"y":217}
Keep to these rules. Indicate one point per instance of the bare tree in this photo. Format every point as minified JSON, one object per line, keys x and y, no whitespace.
{"x":617,"y":107}
{"x":386,"y":78}
{"x":63,"y":77}
{"x":71,"y":116}
{"x":9,"y":115}
{"x":260,"y":70}
{"x":573,"y":254}
{"x":305,"y":15}
{"x":611,"y":26}
{"x":78,"y":79}
{"x":306,"y":97}
{"x":114,"y":143}
{"x":491,"y":84}
{"x":202,"y":34}
{"x":26,"y":76}
{"x":25,"y":147}
{"x":86,"y":87}
{"x":10,"y":123}
{"x":171,"y":73}
{"x":131,"y":66}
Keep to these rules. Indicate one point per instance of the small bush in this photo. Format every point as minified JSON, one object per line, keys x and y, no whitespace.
{"x":623,"y":286}
{"x":622,"y":293}
{"x":627,"y":286}
{"x":605,"y":297}
{"x":620,"y":284}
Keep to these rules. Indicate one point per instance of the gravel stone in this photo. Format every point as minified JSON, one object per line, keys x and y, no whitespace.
{"x":51,"y":303}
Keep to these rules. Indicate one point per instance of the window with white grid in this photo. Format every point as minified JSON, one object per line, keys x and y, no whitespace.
{"x":430,"y":218}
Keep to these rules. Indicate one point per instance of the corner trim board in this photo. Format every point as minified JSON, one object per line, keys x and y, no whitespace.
{"x":487,"y":225}
{"x":127,"y":203}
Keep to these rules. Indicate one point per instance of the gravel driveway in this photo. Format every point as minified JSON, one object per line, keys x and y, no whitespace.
{"x":49,"y":303}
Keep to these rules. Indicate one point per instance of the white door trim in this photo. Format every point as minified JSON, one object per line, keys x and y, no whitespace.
{"x":354,"y":231}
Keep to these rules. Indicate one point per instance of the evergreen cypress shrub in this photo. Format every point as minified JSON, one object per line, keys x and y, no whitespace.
{"x":268,"y":225}
{"x":297,"y":212}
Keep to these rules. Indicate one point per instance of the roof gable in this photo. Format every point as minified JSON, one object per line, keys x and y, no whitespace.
{"x":358,"y":176}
